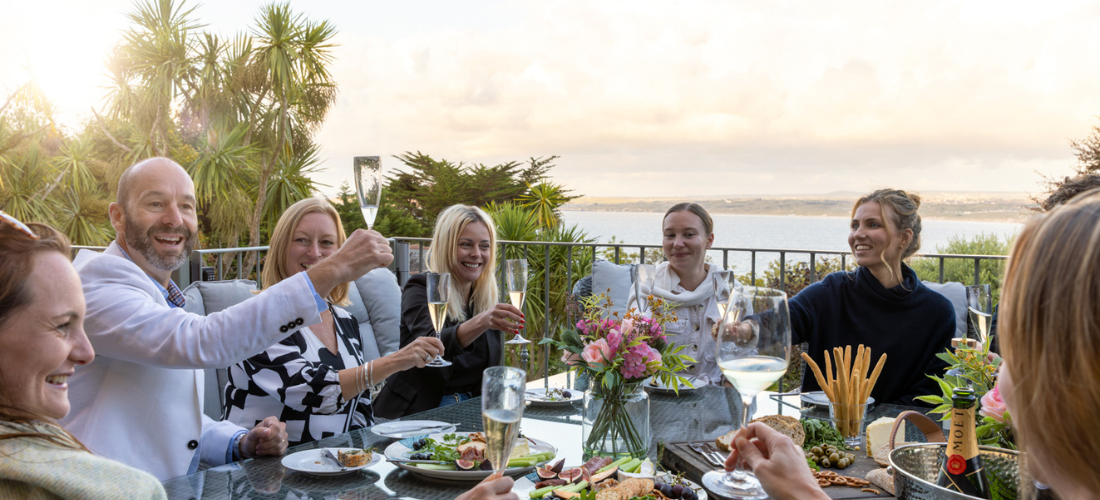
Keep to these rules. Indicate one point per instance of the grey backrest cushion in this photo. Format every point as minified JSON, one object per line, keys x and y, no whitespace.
{"x":209,"y":297}
{"x":956,"y":293}
{"x":614,"y":280}
{"x":376,"y":304}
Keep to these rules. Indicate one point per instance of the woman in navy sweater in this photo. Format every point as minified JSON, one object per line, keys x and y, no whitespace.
{"x":882,"y":304}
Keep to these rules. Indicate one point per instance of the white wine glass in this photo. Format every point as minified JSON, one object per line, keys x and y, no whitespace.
{"x":979,"y":303}
{"x":439,"y":290}
{"x":752,"y":352}
{"x":515,"y":273}
{"x":502,"y":390}
{"x":368,"y":185}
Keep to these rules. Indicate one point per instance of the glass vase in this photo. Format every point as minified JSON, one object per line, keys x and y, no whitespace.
{"x":616,"y":421}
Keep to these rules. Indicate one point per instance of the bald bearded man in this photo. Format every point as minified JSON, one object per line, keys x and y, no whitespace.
{"x":140,"y":401}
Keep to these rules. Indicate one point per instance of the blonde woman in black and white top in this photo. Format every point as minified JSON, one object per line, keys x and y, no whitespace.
{"x":316,"y":379}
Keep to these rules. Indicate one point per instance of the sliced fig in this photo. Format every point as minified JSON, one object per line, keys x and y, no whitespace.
{"x":466,"y":464}
{"x":586,"y":475}
{"x":550,"y":482}
{"x":558,"y":466}
{"x":572,"y":475}
{"x":486,"y":465}
{"x":546,"y":473}
{"x":603,"y":475}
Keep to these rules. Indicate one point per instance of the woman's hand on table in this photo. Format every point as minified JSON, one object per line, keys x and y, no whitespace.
{"x":267,"y":438}
{"x":494,"y":487}
{"x":778,"y":464}
{"x":417,"y":354}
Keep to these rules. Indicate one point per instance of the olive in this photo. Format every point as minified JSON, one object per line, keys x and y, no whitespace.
{"x":826,"y":463}
{"x":851,"y":458}
{"x":834,"y":456}
{"x":816,"y":450}
{"x":843,"y":463}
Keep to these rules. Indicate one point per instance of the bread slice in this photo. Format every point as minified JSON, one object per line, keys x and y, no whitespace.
{"x":354,"y":458}
{"x":787,"y":426}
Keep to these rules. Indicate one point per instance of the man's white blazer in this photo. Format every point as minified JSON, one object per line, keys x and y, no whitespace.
{"x":140,"y":401}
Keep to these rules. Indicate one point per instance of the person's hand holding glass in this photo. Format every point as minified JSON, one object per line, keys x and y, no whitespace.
{"x":439,"y":291}
{"x":752,"y":353}
{"x":502,"y":390}
{"x":368,"y":186}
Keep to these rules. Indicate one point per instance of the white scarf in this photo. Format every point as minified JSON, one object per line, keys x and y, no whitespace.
{"x":666,"y":280}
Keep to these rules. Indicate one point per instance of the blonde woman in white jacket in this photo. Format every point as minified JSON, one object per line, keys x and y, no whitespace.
{"x":694,"y":286}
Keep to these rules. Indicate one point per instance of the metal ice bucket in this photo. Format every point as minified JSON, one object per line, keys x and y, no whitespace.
{"x":916,"y":467}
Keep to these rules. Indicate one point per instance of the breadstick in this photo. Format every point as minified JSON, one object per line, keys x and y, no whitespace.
{"x":875,"y":374}
{"x":817,"y":375}
{"x":829,"y":376}
{"x":842,"y":397}
{"x":857,"y":370}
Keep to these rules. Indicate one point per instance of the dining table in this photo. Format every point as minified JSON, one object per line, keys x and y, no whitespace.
{"x":701,"y":414}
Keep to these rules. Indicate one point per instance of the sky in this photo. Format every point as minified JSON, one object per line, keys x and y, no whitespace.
{"x":659,"y":98}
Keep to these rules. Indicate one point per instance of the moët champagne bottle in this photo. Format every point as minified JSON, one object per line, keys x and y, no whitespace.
{"x":961,"y":469}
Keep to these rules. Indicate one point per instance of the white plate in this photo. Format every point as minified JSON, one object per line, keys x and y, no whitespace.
{"x":818,"y":398}
{"x":536,"y":397}
{"x":399,"y":451}
{"x":314,"y":462}
{"x":525,"y":486}
{"x":657,"y":385}
{"x":401,"y":429}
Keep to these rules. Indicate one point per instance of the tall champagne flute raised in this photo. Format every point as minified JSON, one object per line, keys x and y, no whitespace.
{"x":439,"y":292}
{"x":368,"y":186}
{"x":502,"y":390}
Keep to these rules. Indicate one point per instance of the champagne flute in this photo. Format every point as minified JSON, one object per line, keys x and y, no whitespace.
{"x":368,"y":185}
{"x":515,"y":271}
{"x":643,"y":280}
{"x":502,"y":389}
{"x":979,"y":302}
{"x":752,"y":353}
{"x":439,"y":288}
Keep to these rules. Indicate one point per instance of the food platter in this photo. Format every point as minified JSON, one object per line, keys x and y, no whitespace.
{"x":402,"y":450}
{"x":314,"y":462}
{"x":657,"y":385}
{"x":557,"y":397}
{"x":524,"y":486}
{"x":818,"y":398}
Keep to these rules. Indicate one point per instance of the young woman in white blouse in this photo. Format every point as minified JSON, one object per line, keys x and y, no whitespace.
{"x":696,"y":287}
{"x":315,"y":380}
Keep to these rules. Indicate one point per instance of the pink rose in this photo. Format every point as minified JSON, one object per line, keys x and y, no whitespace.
{"x":570,"y":358}
{"x":591,"y":353}
{"x":605,"y":350}
{"x":627,"y":327}
{"x":992,"y":405}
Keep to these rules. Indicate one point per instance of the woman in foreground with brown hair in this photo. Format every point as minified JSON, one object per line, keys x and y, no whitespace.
{"x":41,"y":341}
{"x":1050,"y":379}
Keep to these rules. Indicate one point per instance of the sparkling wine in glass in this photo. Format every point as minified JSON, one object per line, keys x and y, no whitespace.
{"x":502,"y":389}
{"x":643,"y":280}
{"x":979,"y":302}
{"x":752,"y":352}
{"x":439,"y":287}
{"x":368,"y":185}
{"x":515,"y":272}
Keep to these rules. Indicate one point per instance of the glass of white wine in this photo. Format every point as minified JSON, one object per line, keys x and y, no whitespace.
{"x":979,"y":302}
{"x":368,"y":185}
{"x":752,"y":353}
{"x":644,"y":275}
{"x":502,"y":389}
{"x":439,"y":291}
{"x":515,"y":272}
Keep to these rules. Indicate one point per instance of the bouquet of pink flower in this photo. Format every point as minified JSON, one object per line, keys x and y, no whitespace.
{"x":614,"y":350}
{"x":618,"y":354}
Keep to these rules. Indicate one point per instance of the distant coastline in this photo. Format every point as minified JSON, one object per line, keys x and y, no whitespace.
{"x":979,"y":207}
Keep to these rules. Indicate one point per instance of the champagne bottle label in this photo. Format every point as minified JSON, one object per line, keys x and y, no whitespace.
{"x":961,"y":444}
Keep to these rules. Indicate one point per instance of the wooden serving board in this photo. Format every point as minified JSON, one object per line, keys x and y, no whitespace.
{"x":679,"y":457}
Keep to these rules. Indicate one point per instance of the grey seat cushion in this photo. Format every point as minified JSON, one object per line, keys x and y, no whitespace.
{"x":956,"y":293}
{"x":376,"y":304}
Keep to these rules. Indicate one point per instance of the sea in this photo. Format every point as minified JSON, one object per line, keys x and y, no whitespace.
{"x":768,"y":231}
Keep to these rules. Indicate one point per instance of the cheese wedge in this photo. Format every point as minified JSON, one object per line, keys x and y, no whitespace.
{"x":878,"y":433}
{"x":522,"y":449}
